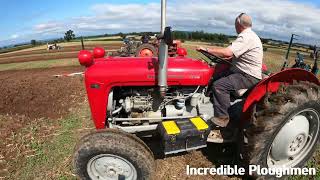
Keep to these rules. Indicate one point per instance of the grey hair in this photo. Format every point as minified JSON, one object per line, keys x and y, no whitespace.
{"x":244,"y":20}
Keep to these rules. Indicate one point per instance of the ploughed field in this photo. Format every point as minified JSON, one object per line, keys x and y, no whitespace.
{"x":42,"y":54}
{"x":42,"y":117}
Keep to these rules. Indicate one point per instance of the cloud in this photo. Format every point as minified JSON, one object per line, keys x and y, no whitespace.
{"x":273,"y":18}
{"x":49,"y":28}
{"x":14,"y":36}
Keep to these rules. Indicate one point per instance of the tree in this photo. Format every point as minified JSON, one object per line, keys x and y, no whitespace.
{"x":264,"y":41}
{"x":33,"y":42}
{"x":69,"y":35}
{"x":123,"y":36}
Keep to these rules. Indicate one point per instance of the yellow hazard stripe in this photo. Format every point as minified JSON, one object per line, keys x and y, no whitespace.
{"x":199,"y":123}
{"x":171,"y":127}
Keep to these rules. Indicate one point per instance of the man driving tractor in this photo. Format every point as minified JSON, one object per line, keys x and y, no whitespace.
{"x":246,"y":54}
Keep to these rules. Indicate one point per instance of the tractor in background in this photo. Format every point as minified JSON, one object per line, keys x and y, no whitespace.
{"x":146,"y":47}
{"x":300,"y":62}
{"x":54,"y":46}
{"x":277,"y":121}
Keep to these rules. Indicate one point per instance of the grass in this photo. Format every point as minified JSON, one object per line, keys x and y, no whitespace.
{"x":52,"y":156}
{"x":54,"y":153}
{"x":103,"y":38}
{"x":11,"y":49}
{"x":67,"y":44}
{"x":39,"y":64}
{"x":38,"y":54}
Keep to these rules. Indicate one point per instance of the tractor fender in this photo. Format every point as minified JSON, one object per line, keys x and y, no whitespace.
{"x":272,"y":83}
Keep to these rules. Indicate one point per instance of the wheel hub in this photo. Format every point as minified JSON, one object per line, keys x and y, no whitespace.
{"x":109,"y":166}
{"x":289,"y":138}
{"x":297,"y":144}
{"x":294,"y":139}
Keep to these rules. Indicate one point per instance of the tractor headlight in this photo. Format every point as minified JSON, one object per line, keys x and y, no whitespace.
{"x":85,"y":58}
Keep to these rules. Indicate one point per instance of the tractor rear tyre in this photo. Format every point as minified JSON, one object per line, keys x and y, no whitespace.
{"x":146,"y":50}
{"x":286,"y":132}
{"x":112,"y":154}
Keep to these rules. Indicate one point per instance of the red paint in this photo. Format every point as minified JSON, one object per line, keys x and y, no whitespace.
{"x":272,"y":84}
{"x":98,"y":52}
{"x":182,"y":52}
{"x":126,"y":71}
{"x":264,"y":68}
{"x":85,"y":58}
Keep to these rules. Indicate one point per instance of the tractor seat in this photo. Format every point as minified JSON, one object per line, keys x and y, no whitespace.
{"x":235,"y":96}
{"x":241,"y":92}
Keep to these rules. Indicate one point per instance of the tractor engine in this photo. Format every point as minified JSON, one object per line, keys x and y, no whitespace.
{"x":141,"y":105}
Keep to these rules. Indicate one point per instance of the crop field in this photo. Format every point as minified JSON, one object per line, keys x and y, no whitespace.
{"x":42,"y":116}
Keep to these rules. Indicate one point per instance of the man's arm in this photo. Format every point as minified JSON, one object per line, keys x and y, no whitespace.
{"x":236,"y":49}
{"x":224,"y":53}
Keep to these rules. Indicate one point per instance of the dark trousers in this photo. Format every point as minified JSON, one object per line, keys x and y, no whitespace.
{"x":226,"y":83}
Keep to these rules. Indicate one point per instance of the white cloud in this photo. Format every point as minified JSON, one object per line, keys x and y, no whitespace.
{"x":14,"y":36}
{"x":273,"y":18}
{"x":49,"y":28}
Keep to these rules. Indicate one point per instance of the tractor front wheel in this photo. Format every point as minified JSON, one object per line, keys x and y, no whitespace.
{"x":112,"y":154}
{"x":146,"y":50}
{"x":286,"y":132}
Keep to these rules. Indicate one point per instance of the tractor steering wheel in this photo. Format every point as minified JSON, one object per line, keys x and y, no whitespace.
{"x":214,"y":58}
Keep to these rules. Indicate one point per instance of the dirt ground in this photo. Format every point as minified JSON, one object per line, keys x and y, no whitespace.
{"x":40,"y":55}
{"x":37,"y":93}
{"x":52,"y":56}
{"x":63,"y":49}
{"x":32,"y":96}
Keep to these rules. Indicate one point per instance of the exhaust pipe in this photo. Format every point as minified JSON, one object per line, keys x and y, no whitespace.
{"x":163,"y":53}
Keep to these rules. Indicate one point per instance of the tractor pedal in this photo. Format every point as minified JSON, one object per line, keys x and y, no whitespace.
{"x":222,"y":136}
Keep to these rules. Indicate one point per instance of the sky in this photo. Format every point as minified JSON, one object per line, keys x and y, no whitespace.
{"x":23,"y":20}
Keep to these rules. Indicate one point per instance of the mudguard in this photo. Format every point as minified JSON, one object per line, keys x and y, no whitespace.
{"x":271,"y":85}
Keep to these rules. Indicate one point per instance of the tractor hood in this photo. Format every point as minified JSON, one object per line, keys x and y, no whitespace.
{"x":127,"y":71}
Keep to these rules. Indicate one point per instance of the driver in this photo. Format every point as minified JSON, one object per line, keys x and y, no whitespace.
{"x":246,"y":53}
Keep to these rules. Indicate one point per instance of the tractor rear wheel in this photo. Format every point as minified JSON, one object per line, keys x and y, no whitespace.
{"x":112,"y":154}
{"x":146,"y":50}
{"x":286,"y":132}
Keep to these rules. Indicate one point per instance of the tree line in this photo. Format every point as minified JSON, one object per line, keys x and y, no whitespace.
{"x":202,"y":36}
{"x":183,"y":35}
{"x":68,"y":36}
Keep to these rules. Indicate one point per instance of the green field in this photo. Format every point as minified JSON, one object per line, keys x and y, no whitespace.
{"x":39,"y":64}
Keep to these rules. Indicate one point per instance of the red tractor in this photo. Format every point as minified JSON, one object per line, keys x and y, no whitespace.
{"x":133,"y":97}
{"x":145,"y":48}
{"x":151,"y":49}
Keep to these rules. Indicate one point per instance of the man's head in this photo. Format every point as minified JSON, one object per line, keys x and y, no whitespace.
{"x":243,"y":21}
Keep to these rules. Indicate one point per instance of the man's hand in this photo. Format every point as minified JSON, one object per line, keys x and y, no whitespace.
{"x":228,"y":58}
{"x":201,"y":48}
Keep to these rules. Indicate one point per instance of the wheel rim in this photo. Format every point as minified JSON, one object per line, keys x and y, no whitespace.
{"x":146,"y":53}
{"x":109,"y":167}
{"x":295,"y":139}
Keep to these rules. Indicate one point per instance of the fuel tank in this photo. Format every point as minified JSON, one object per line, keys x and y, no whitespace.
{"x":127,"y":71}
